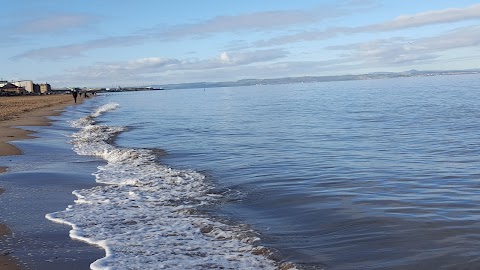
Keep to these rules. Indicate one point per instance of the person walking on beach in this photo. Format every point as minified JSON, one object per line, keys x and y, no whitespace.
{"x":75,"y":94}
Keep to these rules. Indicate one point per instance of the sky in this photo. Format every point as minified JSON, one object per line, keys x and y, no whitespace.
{"x":112,"y":43}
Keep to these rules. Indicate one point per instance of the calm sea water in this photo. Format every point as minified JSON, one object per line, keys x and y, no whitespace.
{"x":380,"y":174}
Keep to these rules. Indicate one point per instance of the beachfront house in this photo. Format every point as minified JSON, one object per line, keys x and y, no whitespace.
{"x":10,"y":89}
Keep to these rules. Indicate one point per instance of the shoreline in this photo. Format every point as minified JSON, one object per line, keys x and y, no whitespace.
{"x":23,"y":111}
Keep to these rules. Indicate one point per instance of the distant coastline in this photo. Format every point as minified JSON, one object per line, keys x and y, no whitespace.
{"x":314,"y":79}
{"x":272,"y":81}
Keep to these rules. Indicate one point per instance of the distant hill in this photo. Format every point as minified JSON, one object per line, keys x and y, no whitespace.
{"x":312,"y":79}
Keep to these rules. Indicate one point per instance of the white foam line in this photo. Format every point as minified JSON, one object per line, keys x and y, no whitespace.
{"x":144,"y":217}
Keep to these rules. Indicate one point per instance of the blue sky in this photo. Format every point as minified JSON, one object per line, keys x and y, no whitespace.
{"x":118,"y":42}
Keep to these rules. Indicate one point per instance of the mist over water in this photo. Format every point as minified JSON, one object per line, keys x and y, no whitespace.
{"x":380,"y":174}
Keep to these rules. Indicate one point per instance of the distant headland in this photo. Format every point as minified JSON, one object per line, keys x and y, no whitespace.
{"x":314,"y":79}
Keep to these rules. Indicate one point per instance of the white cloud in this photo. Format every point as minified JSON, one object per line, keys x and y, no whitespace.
{"x":151,"y":62}
{"x":224,"y":58}
{"x":78,"y":49}
{"x":312,"y":35}
{"x":54,"y":23}
{"x":139,"y":69}
{"x":458,"y":38}
{"x":249,"y":57}
{"x":258,"y":22}
{"x":448,"y":15}
{"x":400,"y":51}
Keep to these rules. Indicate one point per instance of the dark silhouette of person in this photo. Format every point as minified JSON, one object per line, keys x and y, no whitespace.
{"x":75,"y":94}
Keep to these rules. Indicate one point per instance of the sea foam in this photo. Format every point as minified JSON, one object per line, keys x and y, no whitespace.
{"x":144,"y":215}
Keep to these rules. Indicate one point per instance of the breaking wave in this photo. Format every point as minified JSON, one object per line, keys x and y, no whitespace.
{"x":144,"y":215}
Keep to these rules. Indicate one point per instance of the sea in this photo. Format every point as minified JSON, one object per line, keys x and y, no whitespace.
{"x":368,"y":174}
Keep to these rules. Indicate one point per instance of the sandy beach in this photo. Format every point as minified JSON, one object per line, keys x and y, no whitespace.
{"x":26,"y":111}
{"x":23,"y":111}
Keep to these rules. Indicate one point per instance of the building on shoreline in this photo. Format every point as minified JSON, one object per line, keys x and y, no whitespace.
{"x":27,"y":84}
{"x":25,"y":87}
{"x":10,"y":89}
{"x":45,"y":88}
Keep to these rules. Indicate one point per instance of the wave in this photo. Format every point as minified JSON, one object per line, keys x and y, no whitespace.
{"x":145,"y":214}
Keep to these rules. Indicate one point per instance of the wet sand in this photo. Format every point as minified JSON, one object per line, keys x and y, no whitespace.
{"x":6,"y":262}
{"x":23,"y":111}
